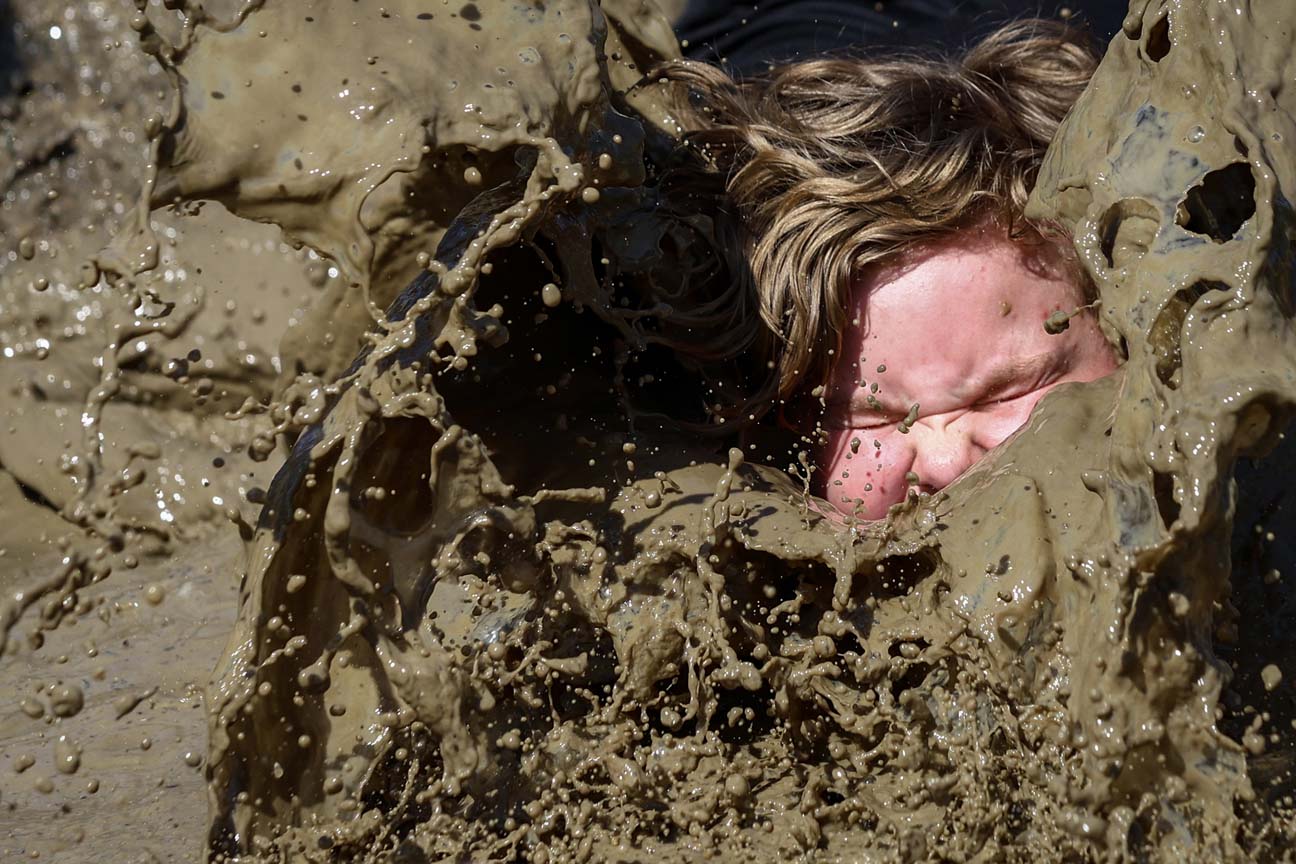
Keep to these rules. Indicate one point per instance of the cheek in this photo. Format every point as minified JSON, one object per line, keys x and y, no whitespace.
{"x":873,"y":473}
{"x":993,"y":427}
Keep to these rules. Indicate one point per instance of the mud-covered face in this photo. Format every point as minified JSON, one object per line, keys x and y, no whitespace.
{"x":944,"y":359}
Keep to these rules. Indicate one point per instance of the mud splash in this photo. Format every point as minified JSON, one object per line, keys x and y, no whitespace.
{"x":495,"y":608}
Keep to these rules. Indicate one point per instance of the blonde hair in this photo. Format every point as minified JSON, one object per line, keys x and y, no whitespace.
{"x":830,"y":165}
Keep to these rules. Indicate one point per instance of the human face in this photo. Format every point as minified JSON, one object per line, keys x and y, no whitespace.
{"x":954,"y":330}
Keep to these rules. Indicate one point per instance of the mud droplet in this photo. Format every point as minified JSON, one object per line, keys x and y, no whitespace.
{"x":472,"y":176}
{"x":737,"y":787}
{"x":22,"y":762}
{"x":66,"y":700}
{"x":26,"y":248}
{"x":126,"y":703}
{"x":193,"y":758}
{"x":1271,"y":676}
{"x":154,"y":594}
{"x":67,"y":756}
{"x":590,"y":195}
{"x":1057,"y":322}
{"x":551,"y":295}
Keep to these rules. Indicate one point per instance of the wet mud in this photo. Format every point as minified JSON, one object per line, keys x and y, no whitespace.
{"x":413,"y":342}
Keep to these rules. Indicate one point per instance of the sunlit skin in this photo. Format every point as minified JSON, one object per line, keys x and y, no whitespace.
{"x":958,"y":325}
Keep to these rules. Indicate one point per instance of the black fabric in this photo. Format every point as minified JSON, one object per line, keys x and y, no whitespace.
{"x":10,"y":64}
{"x":747,"y":37}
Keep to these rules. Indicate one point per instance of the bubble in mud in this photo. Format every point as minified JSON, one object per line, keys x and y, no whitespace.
{"x":66,"y":700}
{"x":32,"y":708}
{"x":192,"y":758}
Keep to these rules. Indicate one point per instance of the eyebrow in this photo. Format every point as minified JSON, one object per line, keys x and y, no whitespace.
{"x":1003,"y":376}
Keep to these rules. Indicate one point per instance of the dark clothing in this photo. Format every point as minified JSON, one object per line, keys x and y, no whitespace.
{"x":747,"y":37}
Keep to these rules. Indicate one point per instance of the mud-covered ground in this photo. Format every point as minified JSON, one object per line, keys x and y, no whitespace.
{"x":481,"y":602}
{"x":103,"y":730}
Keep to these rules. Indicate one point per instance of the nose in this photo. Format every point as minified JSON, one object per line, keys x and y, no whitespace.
{"x":943,"y":451}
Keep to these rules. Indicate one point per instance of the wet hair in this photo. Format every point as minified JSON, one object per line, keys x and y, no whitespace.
{"x":830,"y":165}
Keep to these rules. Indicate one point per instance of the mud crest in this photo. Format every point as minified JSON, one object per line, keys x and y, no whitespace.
{"x":496,"y":607}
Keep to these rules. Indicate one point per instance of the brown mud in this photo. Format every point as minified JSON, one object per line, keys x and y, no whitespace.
{"x":492,"y":605}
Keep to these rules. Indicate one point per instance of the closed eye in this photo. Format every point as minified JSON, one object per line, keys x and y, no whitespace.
{"x":846,"y":420}
{"x":1020,"y":379}
{"x":992,"y":402}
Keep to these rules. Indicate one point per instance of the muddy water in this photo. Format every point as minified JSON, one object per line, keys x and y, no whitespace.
{"x":493,"y":605}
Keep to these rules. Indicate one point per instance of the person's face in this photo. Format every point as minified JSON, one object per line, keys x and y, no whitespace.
{"x":956,"y":329}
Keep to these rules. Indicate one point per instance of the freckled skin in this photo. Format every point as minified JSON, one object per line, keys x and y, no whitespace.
{"x":959,"y":327}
